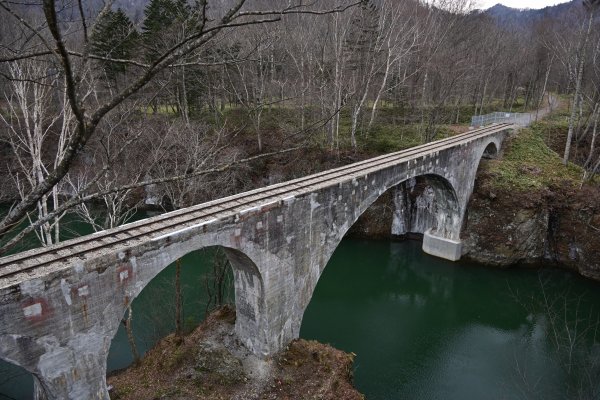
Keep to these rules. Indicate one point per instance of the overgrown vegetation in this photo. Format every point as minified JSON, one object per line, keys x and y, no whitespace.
{"x":528,"y":163}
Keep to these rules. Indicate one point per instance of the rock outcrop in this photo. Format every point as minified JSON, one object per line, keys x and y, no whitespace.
{"x":559,"y":226}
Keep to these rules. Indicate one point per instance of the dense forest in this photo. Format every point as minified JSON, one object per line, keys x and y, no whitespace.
{"x":169,"y":103}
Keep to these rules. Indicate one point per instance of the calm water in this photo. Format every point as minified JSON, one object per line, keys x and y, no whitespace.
{"x":421,"y":328}
{"x":424,"y":328}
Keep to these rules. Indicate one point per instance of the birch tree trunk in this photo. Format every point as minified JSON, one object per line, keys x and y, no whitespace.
{"x":578,"y":78}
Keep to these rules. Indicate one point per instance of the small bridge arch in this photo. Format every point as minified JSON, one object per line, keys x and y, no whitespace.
{"x":491,"y":150}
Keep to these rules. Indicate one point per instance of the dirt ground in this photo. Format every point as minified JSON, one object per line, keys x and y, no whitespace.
{"x":210,"y":363}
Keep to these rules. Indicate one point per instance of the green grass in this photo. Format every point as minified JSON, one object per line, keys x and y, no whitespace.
{"x":528,"y":163}
{"x":162,"y":109}
{"x":390,"y":138}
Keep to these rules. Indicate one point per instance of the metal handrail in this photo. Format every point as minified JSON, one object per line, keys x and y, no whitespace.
{"x":497,"y":117}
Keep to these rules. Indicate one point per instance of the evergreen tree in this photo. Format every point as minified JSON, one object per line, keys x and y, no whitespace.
{"x":362,"y":36}
{"x":160,"y":19}
{"x":114,"y":36}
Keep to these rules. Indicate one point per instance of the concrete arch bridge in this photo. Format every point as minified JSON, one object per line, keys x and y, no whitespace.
{"x":61,"y":306}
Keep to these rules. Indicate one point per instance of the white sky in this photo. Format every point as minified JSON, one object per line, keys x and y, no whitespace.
{"x":484,"y":4}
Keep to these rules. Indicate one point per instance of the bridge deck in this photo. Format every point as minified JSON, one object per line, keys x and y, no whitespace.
{"x":36,"y":262}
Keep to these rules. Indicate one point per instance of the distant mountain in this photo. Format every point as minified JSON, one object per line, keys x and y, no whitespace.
{"x":527,"y":17}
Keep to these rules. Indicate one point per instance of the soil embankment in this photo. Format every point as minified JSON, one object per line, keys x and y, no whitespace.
{"x":210,"y":363}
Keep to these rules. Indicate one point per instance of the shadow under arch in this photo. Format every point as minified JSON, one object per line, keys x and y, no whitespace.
{"x":153,"y":306}
{"x":490,"y":151}
{"x":15,"y":382}
{"x":414,"y":205}
{"x":426,"y":202}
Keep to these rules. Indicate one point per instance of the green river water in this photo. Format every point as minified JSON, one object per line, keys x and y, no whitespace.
{"x":422,"y":328}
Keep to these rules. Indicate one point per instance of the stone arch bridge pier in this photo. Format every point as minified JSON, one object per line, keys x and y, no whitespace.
{"x":61,"y":306}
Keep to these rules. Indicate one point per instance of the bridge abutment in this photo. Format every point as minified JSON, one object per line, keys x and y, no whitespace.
{"x":76,"y":370}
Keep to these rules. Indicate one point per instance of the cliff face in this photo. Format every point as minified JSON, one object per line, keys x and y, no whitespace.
{"x":559,"y":226}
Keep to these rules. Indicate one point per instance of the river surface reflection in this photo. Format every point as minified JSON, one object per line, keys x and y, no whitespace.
{"x":424,"y":328}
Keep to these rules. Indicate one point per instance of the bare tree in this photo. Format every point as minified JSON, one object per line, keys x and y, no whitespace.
{"x":88,"y":112}
{"x":34,"y":123}
{"x":579,"y":61}
{"x":398,"y":42}
{"x":572,"y":330}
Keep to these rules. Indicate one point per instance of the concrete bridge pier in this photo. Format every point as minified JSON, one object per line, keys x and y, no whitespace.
{"x":442,"y":247}
{"x":443,"y":239}
{"x":264,"y":300}
{"x":72,"y":370}
{"x":252,"y":316}
{"x":83,"y":379}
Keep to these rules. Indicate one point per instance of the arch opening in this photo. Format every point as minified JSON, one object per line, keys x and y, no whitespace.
{"x":408,"y":209}
{"x":411,"y":208}
{"x":153,"y":311}
{"x":208,"y":278}
{"x":490,"y":152}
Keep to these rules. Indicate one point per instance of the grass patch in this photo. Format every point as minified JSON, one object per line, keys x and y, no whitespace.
{"x":390,"y":138}
{"x":528,"y":163}
{"x":163,"y":109}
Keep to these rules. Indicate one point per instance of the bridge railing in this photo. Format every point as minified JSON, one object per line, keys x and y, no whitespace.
{"x":497,"y":117}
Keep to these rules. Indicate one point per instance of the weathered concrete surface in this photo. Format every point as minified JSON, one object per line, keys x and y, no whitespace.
{"x":441,"y":246}
{"x":57,"y":321}
{"x":409,"y":208}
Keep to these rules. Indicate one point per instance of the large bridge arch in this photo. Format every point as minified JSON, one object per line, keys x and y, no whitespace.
{"x":441,"y":216}
{"x":443,"y":208}
{"x":248,"y":282}
{"x":248,"y":288}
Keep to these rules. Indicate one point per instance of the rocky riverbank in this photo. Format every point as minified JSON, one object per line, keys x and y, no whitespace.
{"x":558,"y":226}
{"x":529,"y":208}
{"x":210,"y":363}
